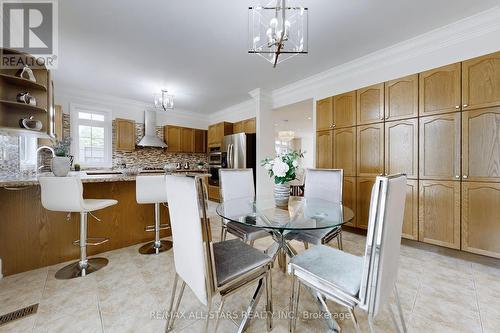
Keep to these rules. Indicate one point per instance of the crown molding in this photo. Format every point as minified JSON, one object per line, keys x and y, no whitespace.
{"x":464,"y":39}
{"x":110,"y":100}
{"x":235,"y":112}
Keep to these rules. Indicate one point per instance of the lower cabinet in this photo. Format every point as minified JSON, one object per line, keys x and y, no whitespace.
{"x":439,"y":213}
{"x":324,"y":149}
{"x":363,"y":194}
{"x":213,"y":193}
{"x":481,"y":218}
{"x":410,"y":220}
{"x":349,"y":197}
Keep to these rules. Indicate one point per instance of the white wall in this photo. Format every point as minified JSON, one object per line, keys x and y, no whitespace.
{"x":235,"y":112}
{"x":129,"y":109}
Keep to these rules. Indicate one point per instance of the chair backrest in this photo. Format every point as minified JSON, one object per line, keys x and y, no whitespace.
{"x":324,"y":184}
{"x":62,"y":194}
{"x":151,"y":189}
{"x":236,"y":184}
{"x":191,"y":254}
{"x":383,"y":241}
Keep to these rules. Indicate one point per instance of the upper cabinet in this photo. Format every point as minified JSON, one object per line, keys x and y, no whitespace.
{"x":401,"y":147}
{"x":125,"y":134}
{"x":370,"y":104}
{"x":410,"y":218}
{"x":185,"y":140}
{"x":244,"y":126}
{"x":216,"y":133}
{"x":324,"y":114}
{"x":344,"y":106}
{"x":440,"y":90}
{"x":481,"y":145}
{"x":324,"y":149}
{"x":370,"y":150}
{"x":401,"y":98}
{"x":481,"y":82}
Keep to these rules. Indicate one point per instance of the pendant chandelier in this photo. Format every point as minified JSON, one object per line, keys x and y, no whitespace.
{"x":277,"y":31}
{"x":164,"y":100}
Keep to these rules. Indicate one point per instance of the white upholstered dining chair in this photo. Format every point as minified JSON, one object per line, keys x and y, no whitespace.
{"x":210,"y":268}
{"x":352,"y":281}
{"x":238,"y":184}
{"x":323,"y":184}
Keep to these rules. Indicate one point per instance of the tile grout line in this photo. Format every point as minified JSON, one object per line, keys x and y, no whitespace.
{"x":41,"y":297}
{"x":100,"y":313}
{"x":477,"y":299}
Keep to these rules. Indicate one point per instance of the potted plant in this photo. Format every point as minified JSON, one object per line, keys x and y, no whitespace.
{"x":61,"y":162}
{"x":283,"y":168}
{"x":77,"y":167}
{"x":200,"y":165}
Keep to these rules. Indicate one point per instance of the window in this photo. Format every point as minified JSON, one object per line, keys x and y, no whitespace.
{"x":91,"y":133}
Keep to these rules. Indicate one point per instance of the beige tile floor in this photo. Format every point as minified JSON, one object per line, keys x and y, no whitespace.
{"x":441,"y":290}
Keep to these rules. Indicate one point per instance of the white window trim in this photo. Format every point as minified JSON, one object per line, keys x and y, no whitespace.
{"x":108,"y":133}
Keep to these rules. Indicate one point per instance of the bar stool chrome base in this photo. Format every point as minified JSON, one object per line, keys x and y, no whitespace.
{"x":151,"y":248}
{"x":75,"y":270}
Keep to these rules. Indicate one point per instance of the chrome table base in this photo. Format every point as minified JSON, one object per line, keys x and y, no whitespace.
{"x":75,"y":269}
{"x":279,"y":250}
{"x":155,"y":248}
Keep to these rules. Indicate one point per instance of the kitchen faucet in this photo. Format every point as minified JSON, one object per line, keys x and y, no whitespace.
{"x":40,"y":149}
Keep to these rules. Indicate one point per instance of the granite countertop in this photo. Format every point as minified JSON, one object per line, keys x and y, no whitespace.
{"x":22,"y":180}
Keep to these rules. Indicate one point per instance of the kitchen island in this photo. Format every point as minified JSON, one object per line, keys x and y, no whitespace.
{"x":32,"y":237}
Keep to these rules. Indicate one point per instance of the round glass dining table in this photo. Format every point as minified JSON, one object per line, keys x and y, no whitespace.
{"x":301,"y":215}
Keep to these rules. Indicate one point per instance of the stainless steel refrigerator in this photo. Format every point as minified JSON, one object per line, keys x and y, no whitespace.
{"x":239,"y":151}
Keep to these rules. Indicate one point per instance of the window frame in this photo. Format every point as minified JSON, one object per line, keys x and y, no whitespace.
{"x":75,"y":121}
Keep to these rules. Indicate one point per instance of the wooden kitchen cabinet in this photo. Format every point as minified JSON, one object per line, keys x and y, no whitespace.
{"x":344,"y":150}
{"x":349,"y":197}
{"x":401,"y":98}
{"x":200,"y":141}
{"x":324,"y":149}
{"x":481,"y":145}
{"x":410,"y":219}
{"x":238,"y":127}
{"x":481,"y":82}
{"x":249,"y":126}
{"x":440,"y":147}
{"x":125,"y":134}
{"x":370,"y":150}
{"x":363,"y":196}
{"x":216,"y":133}
{"x":440,"y":90}
{"x":324,"y":114}
{"x":344,"y":106}
{"x":481,"y":218}
{"x":439,"y":213}
{"x":213,"y":193}
{"x":370,"y":104}
{"x":401,"y":147}
{"x":172,"y":135}
{"x":187,"y":140}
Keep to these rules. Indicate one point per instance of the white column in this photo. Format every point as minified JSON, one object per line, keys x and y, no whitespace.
{"x":265,"y":138}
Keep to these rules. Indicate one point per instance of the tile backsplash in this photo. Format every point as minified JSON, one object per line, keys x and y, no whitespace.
{"x":141,"y":157}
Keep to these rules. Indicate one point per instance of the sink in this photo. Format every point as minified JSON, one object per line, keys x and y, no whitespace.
{"x":100,"y":173}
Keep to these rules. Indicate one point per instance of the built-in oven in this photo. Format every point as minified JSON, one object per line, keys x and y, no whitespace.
{"x":214,"y":156}
{"x":214,"y":174}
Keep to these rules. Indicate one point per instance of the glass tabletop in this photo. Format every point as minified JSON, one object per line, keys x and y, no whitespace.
{"x":302,"y":213}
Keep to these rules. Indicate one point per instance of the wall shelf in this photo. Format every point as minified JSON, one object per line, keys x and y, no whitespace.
{"x":23,"y":131}
{"x":22,"y":106}
{"x":19,"y":81}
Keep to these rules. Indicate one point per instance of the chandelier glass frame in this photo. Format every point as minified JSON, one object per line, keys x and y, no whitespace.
{"x":164,"y":100}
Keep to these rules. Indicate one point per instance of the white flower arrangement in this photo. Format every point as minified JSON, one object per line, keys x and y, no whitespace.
{"x":283,"y":167}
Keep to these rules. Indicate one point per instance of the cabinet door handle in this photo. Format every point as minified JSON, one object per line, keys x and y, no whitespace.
{"x":333,"y":125}
{"x":382,"y":118}
{"x":465,"y":105}
{"x":457,"y":107}
{"x":457,"y":176}
{"x":464,"y":177}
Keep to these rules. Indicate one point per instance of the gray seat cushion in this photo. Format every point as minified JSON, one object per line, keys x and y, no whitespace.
{"x":246,"y":232}
{"x":234,"y":258}
{"x":314,"y":236}
{"x":340,"y":268}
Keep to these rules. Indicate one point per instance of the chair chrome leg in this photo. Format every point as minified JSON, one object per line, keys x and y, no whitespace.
{"x":306,"y":245}
{"x":173,"y":312}
{"x":292,"y":303}
{"x":296,"y":306}
{"x":339,"y":237}
{"x":171,"y":304}
{"x":354,"y":320}
{"x":400,"y":309}
{"x":252,"y":242}
{"x":251,"y":307}
{"x":371,"y":325}
{"x":219,"y":311}
{"x":269,"y":300}
{"x":209,"y":310}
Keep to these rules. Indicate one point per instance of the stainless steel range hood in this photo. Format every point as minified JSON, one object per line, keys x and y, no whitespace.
{"x":150,"y":138}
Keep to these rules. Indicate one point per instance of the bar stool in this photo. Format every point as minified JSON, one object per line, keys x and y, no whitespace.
{"x":153,"y":190}
{"x":65,"y":194}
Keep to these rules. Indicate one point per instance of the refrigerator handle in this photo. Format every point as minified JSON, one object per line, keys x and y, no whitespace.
{"x":230,"y":156}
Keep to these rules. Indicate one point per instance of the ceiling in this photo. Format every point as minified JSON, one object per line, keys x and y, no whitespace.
{"x":198,"y":49}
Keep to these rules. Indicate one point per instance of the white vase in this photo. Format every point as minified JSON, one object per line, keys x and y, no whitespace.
{"x":281,"y":195}
{"x":60,"y":166}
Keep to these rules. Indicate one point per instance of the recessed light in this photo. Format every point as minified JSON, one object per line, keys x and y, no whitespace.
{"x":309,"y":118}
